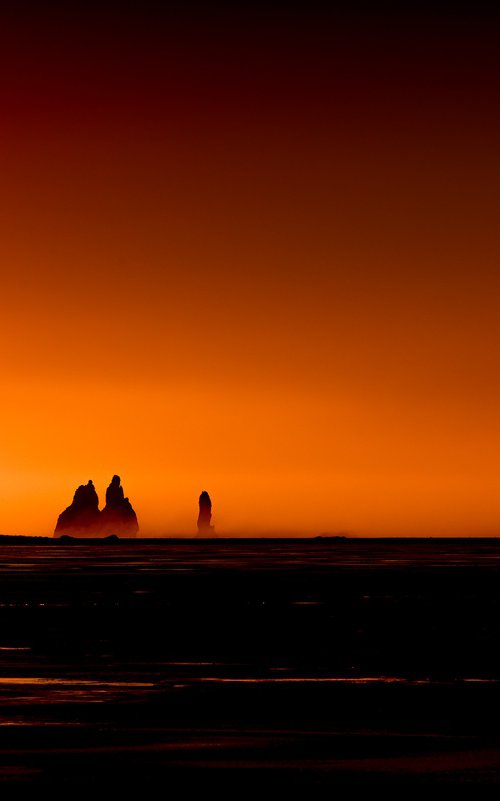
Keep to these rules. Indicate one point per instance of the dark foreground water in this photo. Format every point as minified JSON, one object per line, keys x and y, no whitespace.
{"x":250,"y":665}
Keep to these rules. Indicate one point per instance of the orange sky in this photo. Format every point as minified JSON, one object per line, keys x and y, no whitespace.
{"x":260,"y":260}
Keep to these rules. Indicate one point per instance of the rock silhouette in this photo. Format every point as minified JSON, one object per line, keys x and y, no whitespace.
{"x":205,"y":515}
{"x":83,"y":518}
{"x":118,"y":516}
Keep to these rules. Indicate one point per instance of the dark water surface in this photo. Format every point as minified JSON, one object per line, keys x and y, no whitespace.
{"x":251,"y":664}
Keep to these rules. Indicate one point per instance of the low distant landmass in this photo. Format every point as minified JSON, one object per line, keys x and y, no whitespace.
{"x":83,"y":518}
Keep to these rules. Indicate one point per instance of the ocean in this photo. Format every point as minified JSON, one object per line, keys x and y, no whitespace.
{"x":223,"y":664}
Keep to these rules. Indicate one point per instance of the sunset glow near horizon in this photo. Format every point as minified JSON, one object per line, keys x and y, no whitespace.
{"x":257,"y":256}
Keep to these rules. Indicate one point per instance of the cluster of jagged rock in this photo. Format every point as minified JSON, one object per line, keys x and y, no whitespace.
{"x":84,"y":519}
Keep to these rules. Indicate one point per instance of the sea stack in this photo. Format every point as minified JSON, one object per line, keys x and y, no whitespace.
{"x":205,"y":515}
{"x":82,"y":518}
{"x":118,"y":516}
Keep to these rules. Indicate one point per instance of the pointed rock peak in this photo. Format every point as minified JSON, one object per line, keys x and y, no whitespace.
{"x":118,"y":516}
{"x":82,"y":517}
{"x":205,"y":514}
{"x":85,"y":495}
{"x":205,"y":499}
{"x":114,"y":493}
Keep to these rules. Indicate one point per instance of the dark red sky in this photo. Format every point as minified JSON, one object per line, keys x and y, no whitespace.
{"x":254,"y":252}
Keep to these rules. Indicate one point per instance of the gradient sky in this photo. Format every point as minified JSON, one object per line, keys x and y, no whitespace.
{"x":253,"y":253}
